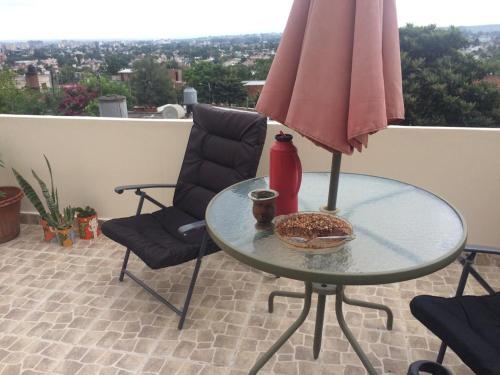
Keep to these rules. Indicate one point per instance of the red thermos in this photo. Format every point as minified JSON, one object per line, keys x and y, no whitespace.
{"x":285,"y":173}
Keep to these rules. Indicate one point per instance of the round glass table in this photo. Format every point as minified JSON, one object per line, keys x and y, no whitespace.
{"x":402,"y":232}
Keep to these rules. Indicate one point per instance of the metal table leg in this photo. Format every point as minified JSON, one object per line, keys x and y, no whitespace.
{"x":289,"y":332}
{"x":323,"y":290}
{"x":347,"y":332}
{"x":279,"y":293}
{"x":371,"y":305}
{"x":318,"y":328}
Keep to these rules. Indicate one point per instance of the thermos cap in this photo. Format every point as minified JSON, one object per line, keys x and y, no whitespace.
{"x":283,"y":137}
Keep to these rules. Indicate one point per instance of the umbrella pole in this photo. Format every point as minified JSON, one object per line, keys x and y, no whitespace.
{"x":334,"y":181}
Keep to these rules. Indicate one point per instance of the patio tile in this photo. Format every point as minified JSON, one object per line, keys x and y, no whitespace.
{"x":63,"y":311}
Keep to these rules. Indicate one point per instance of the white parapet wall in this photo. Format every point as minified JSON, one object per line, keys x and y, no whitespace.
{"x":90,"y":156}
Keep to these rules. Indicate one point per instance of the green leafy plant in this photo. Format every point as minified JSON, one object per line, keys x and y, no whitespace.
{"x":85,"y":212}
{"x":31,"y":194}
{"x":67,"y":218}
{"x":52,"y":214}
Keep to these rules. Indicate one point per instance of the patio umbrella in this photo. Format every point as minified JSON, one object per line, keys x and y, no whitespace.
{"x":336,"y":76}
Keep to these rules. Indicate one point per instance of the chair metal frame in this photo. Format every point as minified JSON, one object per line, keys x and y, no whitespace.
{"x":182,"y":230}
{"x":428,"y":367}
{"x":467,"y":262}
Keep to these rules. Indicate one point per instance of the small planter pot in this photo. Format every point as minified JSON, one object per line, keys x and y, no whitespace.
{"x":88,"y":227}
{"x":10,"y":207}
{"x":49,"y":233}
{"x":65,"y":236}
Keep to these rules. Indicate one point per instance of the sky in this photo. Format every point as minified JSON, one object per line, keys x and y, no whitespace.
{"x":158,"y":19}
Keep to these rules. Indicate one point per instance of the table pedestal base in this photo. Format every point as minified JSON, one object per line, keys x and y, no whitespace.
{"x":323,"y":290}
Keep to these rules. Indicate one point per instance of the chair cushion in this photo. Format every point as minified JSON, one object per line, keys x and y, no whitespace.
{"x":224,"y":148}
{"x":154,"y":237}
{"x":469,"y":325}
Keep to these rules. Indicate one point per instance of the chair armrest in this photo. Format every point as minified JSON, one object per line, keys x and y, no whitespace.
{"x":184,"y":229}
{"x":482,"y":249}
{"x":121,"y":189}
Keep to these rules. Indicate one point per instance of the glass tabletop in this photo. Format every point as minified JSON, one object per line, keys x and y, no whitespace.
{"x":402,"y":232}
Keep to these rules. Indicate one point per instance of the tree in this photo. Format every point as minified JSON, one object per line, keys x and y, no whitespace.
{"x":75,"y":100}
{"x":39,"y":54}
{"x":230,"y":91}
{"x":261,"y":68}
{"x":240,"y":72}
{"x":67,"y":74}
{"x":8,"y":92}
{"x":492,"y":56}
{"x":151,"y":84}
{"x":116,"y":62}
{"x":64,"y":58}
{"x":216,"y":83}
{"x":24,"y":101}
{"x":103,"y":85}
{"x":442,"y":84}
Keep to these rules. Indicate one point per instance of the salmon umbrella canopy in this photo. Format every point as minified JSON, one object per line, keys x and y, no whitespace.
{"x":336,"y":77}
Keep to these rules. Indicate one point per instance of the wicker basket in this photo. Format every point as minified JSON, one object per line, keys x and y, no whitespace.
{"x":10,"y":217}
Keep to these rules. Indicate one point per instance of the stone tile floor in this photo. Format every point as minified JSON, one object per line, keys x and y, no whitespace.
{"x":63,"y":311}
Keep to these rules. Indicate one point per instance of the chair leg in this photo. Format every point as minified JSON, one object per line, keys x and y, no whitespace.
{"x":442,"y":351}
{"x":184,"y":311}
{"x":127,"y":253}
{"x":124,"y":265}
{"x":203,"y":249}
{"x":467,"y":263}
{"x":481,"y":281}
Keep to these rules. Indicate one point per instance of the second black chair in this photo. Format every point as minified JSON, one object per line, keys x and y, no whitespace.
{"x":224,"y":148}
{"x":470,"y":325}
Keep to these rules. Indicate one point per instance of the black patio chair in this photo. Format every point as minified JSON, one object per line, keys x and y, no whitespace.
{"x":224,"y":148}
{"x":469,"y":325}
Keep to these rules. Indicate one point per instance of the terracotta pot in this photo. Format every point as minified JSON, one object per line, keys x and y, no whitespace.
{"x":10,"y":213}
{"x":65,"y":236}
{"x":49,"y":233}
{"x":88,"y":227}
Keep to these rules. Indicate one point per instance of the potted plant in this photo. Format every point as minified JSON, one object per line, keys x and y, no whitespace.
{"x":64,"y":227}
{"x":88,"y":226}
{"x":10,"y":211}
{"x":52,"y":220}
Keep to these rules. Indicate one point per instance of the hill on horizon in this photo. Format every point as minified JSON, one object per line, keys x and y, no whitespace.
{"x":481,"y":28}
